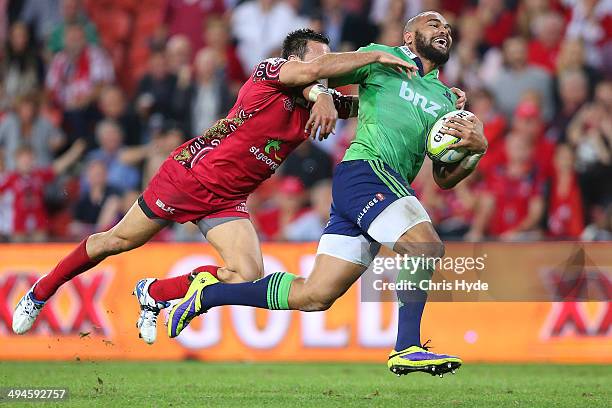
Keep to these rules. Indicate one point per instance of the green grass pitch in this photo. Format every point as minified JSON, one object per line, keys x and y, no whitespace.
{"x":296,"y":385}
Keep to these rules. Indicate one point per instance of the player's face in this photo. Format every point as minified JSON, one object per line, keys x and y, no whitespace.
{"x":432,"y":38}
{"x":315,"y":49}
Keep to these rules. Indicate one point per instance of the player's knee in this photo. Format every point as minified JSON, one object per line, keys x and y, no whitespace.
{"x":253,"y":272}
{"x":247,"y":270}
{"x":229,"y":275}
{"x":113,"y":243}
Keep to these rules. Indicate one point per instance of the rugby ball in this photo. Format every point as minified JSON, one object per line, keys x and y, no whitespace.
{"x":438,"y":142}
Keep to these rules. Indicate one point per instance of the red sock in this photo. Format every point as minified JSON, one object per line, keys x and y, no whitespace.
{"x":72,"y":265}
{"x":164,"y":290}
{"x":212,"y":269}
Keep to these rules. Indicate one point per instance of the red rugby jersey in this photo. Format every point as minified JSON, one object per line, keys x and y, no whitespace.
{"x":26,"y":197}
{"x":239,"y":152}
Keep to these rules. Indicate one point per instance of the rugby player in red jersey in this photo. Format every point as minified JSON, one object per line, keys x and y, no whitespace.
{"x":207,"y":180}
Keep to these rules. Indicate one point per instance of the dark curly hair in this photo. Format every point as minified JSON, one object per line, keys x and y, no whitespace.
{"x":296,"y":42}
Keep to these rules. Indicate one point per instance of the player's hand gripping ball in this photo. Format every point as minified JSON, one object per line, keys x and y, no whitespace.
{"x":438,"y":141}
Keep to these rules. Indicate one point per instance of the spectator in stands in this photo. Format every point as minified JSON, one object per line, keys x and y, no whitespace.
{"x":98,"y":206}
{"x":21,"y":69}
{"x":75,"y":78}
{"x":217,"y":36}
{"x":260,"y":27}
{"x":155,"y":92}
{"x":573,"y":89}
{"x":601,"y":227}
{"x":590,"y":135}
{"x":26,"y":126}
{"x":43,"y":16}
{"x":288,"y":206}
{"x":498,"y":22}
{"x":204,"y":100}
{"x":347,"y":30}
{"x":121,"y":175}
{"x":511,"y":206}
{"x":178,"y":54}
{"x":112,"y":105}
{"x":5,"y":202}
{"x":529,"y":125}
{"x":72,"y":13}
{"x":26,"y":186}
{"x":186,"y":16}
{"x":565,"y":213}
{"x":527,"y":12}
{"x":396,"y":12}
{"x":308,"y":163}
{"x":379,"y":13}
{"x":309,"y":226}
{"x":591,"y":21}
{"x":517,"y":77}
{"x":543,"y":49}
{"x":571,"y":58}
{"x":603,"y":95}
{"x":461,"y":69}
{"x":391,"y":34}
{"x":332,"y":19}
{"x":482,"y":104}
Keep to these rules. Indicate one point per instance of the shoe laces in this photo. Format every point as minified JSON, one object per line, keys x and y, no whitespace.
{"x":425,"y":345}
{"x":149,"y":316}
{"x":30,"y":306}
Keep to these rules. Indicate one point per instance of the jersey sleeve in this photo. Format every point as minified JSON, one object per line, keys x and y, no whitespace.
{"x":268,"y":72}
{"x":343,"y":103}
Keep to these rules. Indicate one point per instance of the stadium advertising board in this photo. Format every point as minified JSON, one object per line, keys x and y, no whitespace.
{"x":94,"y":315}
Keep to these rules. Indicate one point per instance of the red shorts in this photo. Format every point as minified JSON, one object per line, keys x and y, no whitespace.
{"x":174,"y":194}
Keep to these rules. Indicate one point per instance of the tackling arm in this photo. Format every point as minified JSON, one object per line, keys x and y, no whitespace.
{"x":296,"y":73}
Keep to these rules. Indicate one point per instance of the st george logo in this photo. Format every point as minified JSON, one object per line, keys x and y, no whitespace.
{"x":417,"y":99}
{"x":273,"y":145}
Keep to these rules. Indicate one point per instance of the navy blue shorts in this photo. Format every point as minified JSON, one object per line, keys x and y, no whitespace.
{"x":361,"y":190}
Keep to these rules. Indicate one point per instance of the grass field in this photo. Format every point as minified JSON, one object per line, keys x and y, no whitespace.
{"x":200,"y":384}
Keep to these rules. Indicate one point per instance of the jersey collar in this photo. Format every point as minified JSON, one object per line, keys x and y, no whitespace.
{"x":419,"y":64}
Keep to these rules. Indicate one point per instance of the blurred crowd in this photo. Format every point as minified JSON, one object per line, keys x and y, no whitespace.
{"x":94,"y":94}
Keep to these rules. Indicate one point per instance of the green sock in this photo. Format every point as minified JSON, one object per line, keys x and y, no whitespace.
{"x":270,"y":292}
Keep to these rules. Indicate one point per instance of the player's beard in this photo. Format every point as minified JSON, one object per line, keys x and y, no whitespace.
{"x":426,"y":49}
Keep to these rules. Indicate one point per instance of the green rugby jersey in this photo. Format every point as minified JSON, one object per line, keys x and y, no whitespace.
{"x":395,"y":112}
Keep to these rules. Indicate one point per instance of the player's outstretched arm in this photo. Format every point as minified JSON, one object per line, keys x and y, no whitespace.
{"x":297,"y":73}
{"x":471,"y":133}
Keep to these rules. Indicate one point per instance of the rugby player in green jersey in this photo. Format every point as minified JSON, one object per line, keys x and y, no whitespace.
{"x":373,"y":203}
